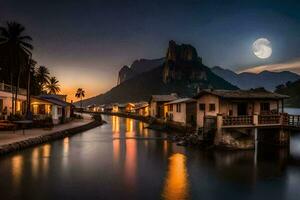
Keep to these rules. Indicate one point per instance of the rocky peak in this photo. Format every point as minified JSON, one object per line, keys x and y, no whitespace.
{"x":183,"y":52}
{"x":123,"y":74}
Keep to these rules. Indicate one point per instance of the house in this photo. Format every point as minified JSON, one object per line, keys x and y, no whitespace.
{"x":130,"y":107}
{"x":122,"y":108}
{"x":142,"y":109}
{"x":6,"y":103}
{"x":156,"y":104}
{"x":115,"y":108}
{"x":237,"y":103}
{"x":183,"y":111}
{"x":54,"y":106}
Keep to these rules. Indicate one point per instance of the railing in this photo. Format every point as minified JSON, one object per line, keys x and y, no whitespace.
{"x":293,"y":120}
{"x":8,"y":88}
{"x":239,"y":120}
{"x":269,"y":119}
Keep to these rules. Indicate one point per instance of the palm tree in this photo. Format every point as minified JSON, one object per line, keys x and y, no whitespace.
{"x":52,"y":87}
{"x":80,"y":94}
{"x":18,"y":52}
{"x":43,"y":76}
{"x":30,"y":72}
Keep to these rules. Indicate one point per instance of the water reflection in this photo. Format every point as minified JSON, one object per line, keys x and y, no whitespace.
{"x":46,"y":149}
{"x":129,"y":128}
{"x":176,"y":183}
{"x":116,"y":150}
{"x":66,"y":146}
{"x":115,"y":124}
{"x":17,"y":167}
{"x":35,"y":161}
{"x":131,"y":162}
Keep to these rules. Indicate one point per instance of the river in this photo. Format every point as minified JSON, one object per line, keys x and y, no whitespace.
{"x":123,"y":160}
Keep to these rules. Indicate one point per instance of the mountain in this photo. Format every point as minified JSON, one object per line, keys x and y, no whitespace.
{"x":247,"y":80}
{"x":138,"y":67}
{"x":291,"y":89}
{"x":182,"y":72}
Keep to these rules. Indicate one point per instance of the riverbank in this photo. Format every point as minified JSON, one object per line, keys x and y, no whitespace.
{"x":154,"y":123}
{"x":13,"y":141}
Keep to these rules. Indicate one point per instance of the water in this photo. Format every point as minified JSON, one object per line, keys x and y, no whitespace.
{"x":102,"y":164}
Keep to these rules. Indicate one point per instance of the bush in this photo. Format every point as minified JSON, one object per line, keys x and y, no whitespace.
{"x":97,"y":117}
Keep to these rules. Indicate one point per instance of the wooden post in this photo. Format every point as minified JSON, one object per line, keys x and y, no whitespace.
{"x":255,"y":119}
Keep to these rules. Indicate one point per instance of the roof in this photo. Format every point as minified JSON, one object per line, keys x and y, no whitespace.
{"x":163,"y":98}
{"x":140,"y":106}
{"x":182,"y":100}
{"x":56,"y":96}
{"x":243,"y":94}
{"x":52,"y":99}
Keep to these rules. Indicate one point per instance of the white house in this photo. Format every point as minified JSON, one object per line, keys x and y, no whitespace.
{"x":54,"y":106}
{"x":182,"y":111}
{"x":6,"y":101}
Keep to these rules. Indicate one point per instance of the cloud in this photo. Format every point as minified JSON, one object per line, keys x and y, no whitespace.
{"x":293,"y":66}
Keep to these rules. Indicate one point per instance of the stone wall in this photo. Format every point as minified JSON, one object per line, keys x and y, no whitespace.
{"x":16,"y":146}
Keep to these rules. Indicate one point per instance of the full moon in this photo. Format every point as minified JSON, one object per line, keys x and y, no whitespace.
{"x":262,"y":48}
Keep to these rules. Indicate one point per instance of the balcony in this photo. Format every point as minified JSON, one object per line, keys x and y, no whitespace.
{"x":237,"y":121}
{"x":8,"y":88}
{"x":251,"y":120}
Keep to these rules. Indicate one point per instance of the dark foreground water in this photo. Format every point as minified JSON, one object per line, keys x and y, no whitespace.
{"x":103,"y":164}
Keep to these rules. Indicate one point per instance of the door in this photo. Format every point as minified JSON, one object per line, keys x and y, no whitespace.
{"x":242,"y":108}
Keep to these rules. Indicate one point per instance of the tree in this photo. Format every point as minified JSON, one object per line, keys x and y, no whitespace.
{"x":42,"y":76}
{"x":18,"y":53}
{"x":52,"y":86}
{"x":80,"y":94}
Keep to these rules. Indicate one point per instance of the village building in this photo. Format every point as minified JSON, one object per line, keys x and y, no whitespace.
{"x":115,"y":108}
{"x":240,"y":112}
{"x":122,"y":108}
{"x":6,"y":102}
{"x":182,"y":111}
{"x":130,"y":108}
{"x":142,"y":109}
{"x":156,"y":104}
{"x":53,"y":106}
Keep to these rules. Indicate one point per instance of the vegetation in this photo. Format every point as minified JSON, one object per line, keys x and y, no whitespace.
{"x":17,"y":54}
{"x":80,"y":93}
{"x":292,"y":89}
{"x":17,"y":67}
{"x":52,"y":87}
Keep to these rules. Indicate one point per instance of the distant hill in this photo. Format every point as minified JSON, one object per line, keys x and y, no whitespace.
{"x":138,"y":67}
{"x":182,"y":72}
{"x":291,"y":89}
{"x":247,"y":80}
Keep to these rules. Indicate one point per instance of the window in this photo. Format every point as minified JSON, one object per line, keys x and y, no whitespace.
{"x":202,"y":106}
{"x":178,"y":107}
{"x":212,"y":107}
{"x":1,"y":105}
{"x":171,"y":107}
{"x":264,"y":107}
{"x":59,"y":111}
{"x":41,"y":109}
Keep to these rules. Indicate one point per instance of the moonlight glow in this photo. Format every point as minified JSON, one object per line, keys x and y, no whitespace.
{"x":262,"y":48}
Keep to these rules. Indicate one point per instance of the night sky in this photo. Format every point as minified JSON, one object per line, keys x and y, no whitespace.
{"x":85,"y":43}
